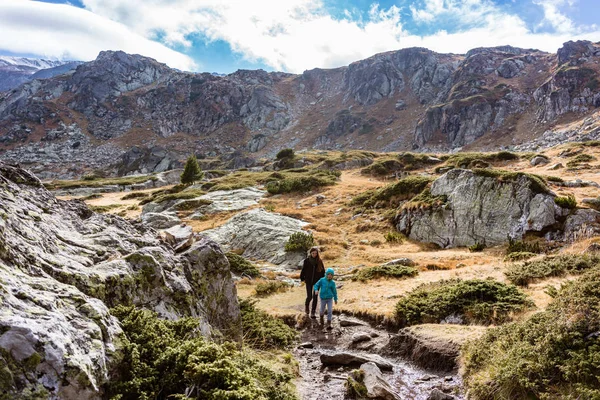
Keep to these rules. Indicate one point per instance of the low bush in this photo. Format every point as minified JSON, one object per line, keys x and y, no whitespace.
{"x":240,"y":266}
{"x":92,"y":196}
{"x":436,"y":267}
{"x":519,"y":256}
{"x":385,"y":271}
{"x":135,"y":195}
{"x":285,"y":153}
{"x":164,"y":359}
{"x":300,"y":241}
{"x":105,"y":208}
{"x":474,"y":160}
{"x":392,"y":195}
{"x":537,"y":183}
{"x":268,"y":288}
{"x":263,"y":331}
{"x":303,"y":183}
{"x":580,"y":159}
{"x":519,"y":246}
{"x":477,"y":248}
{"x":394,"y":237}
{"x":472,"y":301}
{"x":568,"y":201}
{"x":551,"y":355}
{"x":425,"y":200}
{"x":531,"y":271}
{"x":376,"y":243}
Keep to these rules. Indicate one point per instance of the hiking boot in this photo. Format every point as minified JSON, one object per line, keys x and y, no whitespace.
{"x":306,"y":309}
{"x":329,"y":327}
{"x":321,"y":320}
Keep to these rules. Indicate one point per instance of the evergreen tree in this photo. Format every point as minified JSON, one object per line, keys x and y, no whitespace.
{"x":191,"y":172}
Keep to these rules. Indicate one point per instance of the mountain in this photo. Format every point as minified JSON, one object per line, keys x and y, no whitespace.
{"x":126,"y":113}
{"x":15,"y":71}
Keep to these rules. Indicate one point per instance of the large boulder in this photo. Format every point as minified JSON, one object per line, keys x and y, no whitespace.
{"x":62,"y":267}
{"x":343,"y":358}
{"x":377,"y":387}
{"x":481,"y":207}
{"x":261,"y":235}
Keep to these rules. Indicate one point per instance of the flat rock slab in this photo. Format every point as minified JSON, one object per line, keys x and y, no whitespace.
{"x":232,"y":200}
{"x":346,"y":322}
{"x":160,"y":220}
{"x":355,"y":359}
{"x":361,"y":337}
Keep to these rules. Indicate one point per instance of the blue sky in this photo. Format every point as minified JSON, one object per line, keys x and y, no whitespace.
{"x":289,"y":35}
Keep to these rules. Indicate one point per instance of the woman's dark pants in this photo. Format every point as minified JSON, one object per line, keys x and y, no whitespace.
{"x":310,"y":295}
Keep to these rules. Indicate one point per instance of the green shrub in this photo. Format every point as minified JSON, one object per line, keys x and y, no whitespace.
{"x":391,"y":195}
{"x":580,"y":159}
{"x":263,"y":331}
{"x":436,"y":267}
{"x":239,"y":265}
{"x":385,"y":271}
{"x":191,"y":172}
{"x":135,"y":195}
{"x":376,"y":243}
{"x":183,"y":195}
{"x":568,"y":201}
{"x":532,"y":271}
{"x":304,"y":183}
{"x":165,"y":359}
{"x":105,"y":208}
{"x":551,"y":355}
{"x":285,"y":153}
{"x":92,"y":196}
{"x":472,"y":160}
{"x":474,"y":301}
{"x":394,"y":237}
{"x":537,"y":183}
{"x":268,"y":288}
{"x":519,"y":256}
{"x":555,"y":179}
{"x":425,"y":200}
{"x":519,"y":246}
{"x":477,"y":247}
{"x":300,"y":241}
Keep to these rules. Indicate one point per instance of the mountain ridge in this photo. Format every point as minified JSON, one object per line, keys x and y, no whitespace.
{"x":409,"y":99}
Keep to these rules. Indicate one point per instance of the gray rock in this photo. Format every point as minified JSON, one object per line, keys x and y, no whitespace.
{"x":556,"y":166}
{"x":582,"y":224}
{"x":62,"y":267}
{"x":180,"y":237}
{"x":437,"y":394}
{"x":360,"y":337}
{"x":377,"y":386}
{"x":355,"y":359}
{"x":592,"y":203}
{"x":539,"y":160}
{"x":160,"y":220}
{"x":407,"y":262}
{"x":261,"y":234}
{"x":345,"y":322}
{"x":503,"y":209}
{"x":578,"y":183}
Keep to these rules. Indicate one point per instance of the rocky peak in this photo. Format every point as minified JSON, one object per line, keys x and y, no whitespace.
{"x":515,"y":51}
{"x":576,"y":53}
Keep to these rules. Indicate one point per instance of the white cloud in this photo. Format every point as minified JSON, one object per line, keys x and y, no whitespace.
{"x":295,"y":35}
{"x":67,"y":32}
{"x":290,"y":35}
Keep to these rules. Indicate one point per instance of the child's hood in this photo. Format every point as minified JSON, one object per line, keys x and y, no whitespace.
{"x":329,"y":271}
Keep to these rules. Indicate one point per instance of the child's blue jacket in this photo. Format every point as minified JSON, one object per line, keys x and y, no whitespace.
{"x":327,"y":289}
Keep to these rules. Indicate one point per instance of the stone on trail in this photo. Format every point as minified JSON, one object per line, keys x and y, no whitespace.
{"x":377,"y":386}
{"x":360,"y":337}
{"x":407,"y":262}
{"x":437,"y":394}
{"x":345,"y":322}
{"x":355,"y":359}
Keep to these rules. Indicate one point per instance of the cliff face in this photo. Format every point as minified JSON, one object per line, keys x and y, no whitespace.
{"x":62,"y":267}
{"x":407,"y":99}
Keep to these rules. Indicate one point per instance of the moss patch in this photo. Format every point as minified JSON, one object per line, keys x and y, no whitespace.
{"x":392,"y":195}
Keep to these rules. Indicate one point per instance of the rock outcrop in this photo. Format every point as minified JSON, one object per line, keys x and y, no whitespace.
{"x":260,"y":235}
{"x":481,"y":207}
{"x":62,"y":267}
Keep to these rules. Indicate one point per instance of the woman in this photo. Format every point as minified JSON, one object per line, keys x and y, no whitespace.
{"x":312,"y":270}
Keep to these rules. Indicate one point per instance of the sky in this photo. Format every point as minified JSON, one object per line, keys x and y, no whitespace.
{"x":284,"y":35}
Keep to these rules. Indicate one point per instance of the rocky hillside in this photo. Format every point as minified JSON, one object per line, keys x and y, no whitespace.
{"x":63,"y":266}
{"x":126,"y":113}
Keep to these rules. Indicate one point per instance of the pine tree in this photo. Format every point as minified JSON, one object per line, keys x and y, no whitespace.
{"x":191,"y":172}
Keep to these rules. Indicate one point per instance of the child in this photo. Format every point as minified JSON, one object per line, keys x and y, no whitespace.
{"x":328,"y":293}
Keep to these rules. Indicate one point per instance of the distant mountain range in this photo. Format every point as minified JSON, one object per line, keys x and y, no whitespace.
{"x":15,"y":71}
{"x":125,"y":113}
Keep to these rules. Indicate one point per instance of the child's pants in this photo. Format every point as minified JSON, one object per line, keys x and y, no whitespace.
{"x":329,"y":304}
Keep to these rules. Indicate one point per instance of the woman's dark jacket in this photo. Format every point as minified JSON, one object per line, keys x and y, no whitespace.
{"x":311,"y":272}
